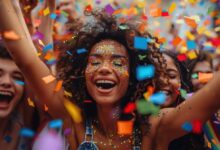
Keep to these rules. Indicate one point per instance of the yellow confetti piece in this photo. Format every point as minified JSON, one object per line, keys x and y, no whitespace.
{"x":68,"y":94}
{"x":189,"y":35}
{"x":192,"y":55}
{"x":146,"y":95}
{"x":46,"y":11}
{"x":26,"y":8}
{"x":179,"y":21}
{"x":73,"y":110}
{"x":30,"y":102}
{"x":201,"y":29}
{"x":209,"y":145}
{"x":48,"y":79}
{"x":172,"y":8}
{"x":58,"y":86}
{"x":38,"y":54}
{"x":41,"y":43}
{"x":10,"y":35}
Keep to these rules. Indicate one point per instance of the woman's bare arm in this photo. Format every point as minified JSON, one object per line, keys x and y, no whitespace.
{"x":201,"y":106}
{"x":23,"y":53}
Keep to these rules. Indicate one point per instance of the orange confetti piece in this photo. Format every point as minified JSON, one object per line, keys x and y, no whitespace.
{"x":49,"y":55}
{"x":125,"y":127}
{"x":205,"y":77}
{"x":190,"y":22}
{"x":10,"y":35}
{"x":209,"y":145}
{"x":73,"y":110}
{"x":176,"y":41}
{"x":58,"y":86}
{"x":48,"y":79}
{"x":45,"y":107}
{"x":155,"y":12}
{"x":30,"y":102}
{"x":217,"y":22}
{"x":116,"y":12}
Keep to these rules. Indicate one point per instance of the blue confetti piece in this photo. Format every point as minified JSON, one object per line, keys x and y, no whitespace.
{"x":158,"y":98}
{"x":25,"y":132}
{"x":19,"y":82}
{"x":47,"y":47}
{"x":53,"y":16}
{"x":68,"y":52}
{"x":187,"y":126}
{"x":191,"y":44}
{"x":55,"y":123}
{"x":140,"y":43}
{"x":8,"y":139}
{"x":80,"y":51}
{"x":145,"y":72}
{"x":62,"y":19}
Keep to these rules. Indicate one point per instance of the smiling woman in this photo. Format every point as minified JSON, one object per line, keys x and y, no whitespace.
{"x":99,"y":68}
{"x":14,"y":110}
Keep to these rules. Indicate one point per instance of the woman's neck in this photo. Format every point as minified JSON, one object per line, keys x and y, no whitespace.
{"x":3,"y":125}
{"x":108,"y":117}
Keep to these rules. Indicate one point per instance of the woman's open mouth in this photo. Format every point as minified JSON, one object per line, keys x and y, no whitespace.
{"x":105,"y":86}
{"x":5,"y":98}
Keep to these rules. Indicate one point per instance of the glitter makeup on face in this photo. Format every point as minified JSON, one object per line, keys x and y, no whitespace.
{"x":105,"y":56}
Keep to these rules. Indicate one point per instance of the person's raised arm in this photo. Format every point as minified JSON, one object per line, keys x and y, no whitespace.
{"x":201,"y":106}
{"x":23,"y":53}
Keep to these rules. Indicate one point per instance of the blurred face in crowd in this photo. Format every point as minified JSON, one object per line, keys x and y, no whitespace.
{"x":171,"y":90}
{"x":107,"y":72}
{"x":216,"y":64}
{"x":200,"y":67}
{"x":10,"y":92}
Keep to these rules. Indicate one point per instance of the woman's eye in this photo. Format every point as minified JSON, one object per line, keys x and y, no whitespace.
{"x":117,"y":63}
{"x":172,"y":76}
{"x":18,"y":78}
{"x":95,"y":63}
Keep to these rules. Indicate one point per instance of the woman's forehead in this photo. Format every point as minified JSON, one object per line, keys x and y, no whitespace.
{"x":109,"y":47}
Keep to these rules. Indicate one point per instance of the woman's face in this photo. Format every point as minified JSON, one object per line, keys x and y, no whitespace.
{"x":200,"y":67}
{"x":10,"y":92}
{"x":171,"y":90}
{"x":107,"y":72}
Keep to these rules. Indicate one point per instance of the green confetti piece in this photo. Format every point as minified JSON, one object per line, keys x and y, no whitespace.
{"x":183,"y":93}
{"x":145,"y":107}
{"x":123,"y":27}
{"x":210,"y":9}
{"x":194,"y":76}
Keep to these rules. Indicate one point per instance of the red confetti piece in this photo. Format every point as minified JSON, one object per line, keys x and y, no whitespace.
{"x":165,"y":14}
{"x":197,"y":127}
{"x":129,"y":108}
{"x":181,"y":57}
{"x":88,"y":8}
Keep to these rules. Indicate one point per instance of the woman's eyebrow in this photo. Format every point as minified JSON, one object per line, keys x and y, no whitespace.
{"x":95,"y":55}
{"x":118,"y":56}
{"x":171,"y":69}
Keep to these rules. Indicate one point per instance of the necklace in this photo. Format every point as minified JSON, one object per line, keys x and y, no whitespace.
{"x":125,"y":141}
